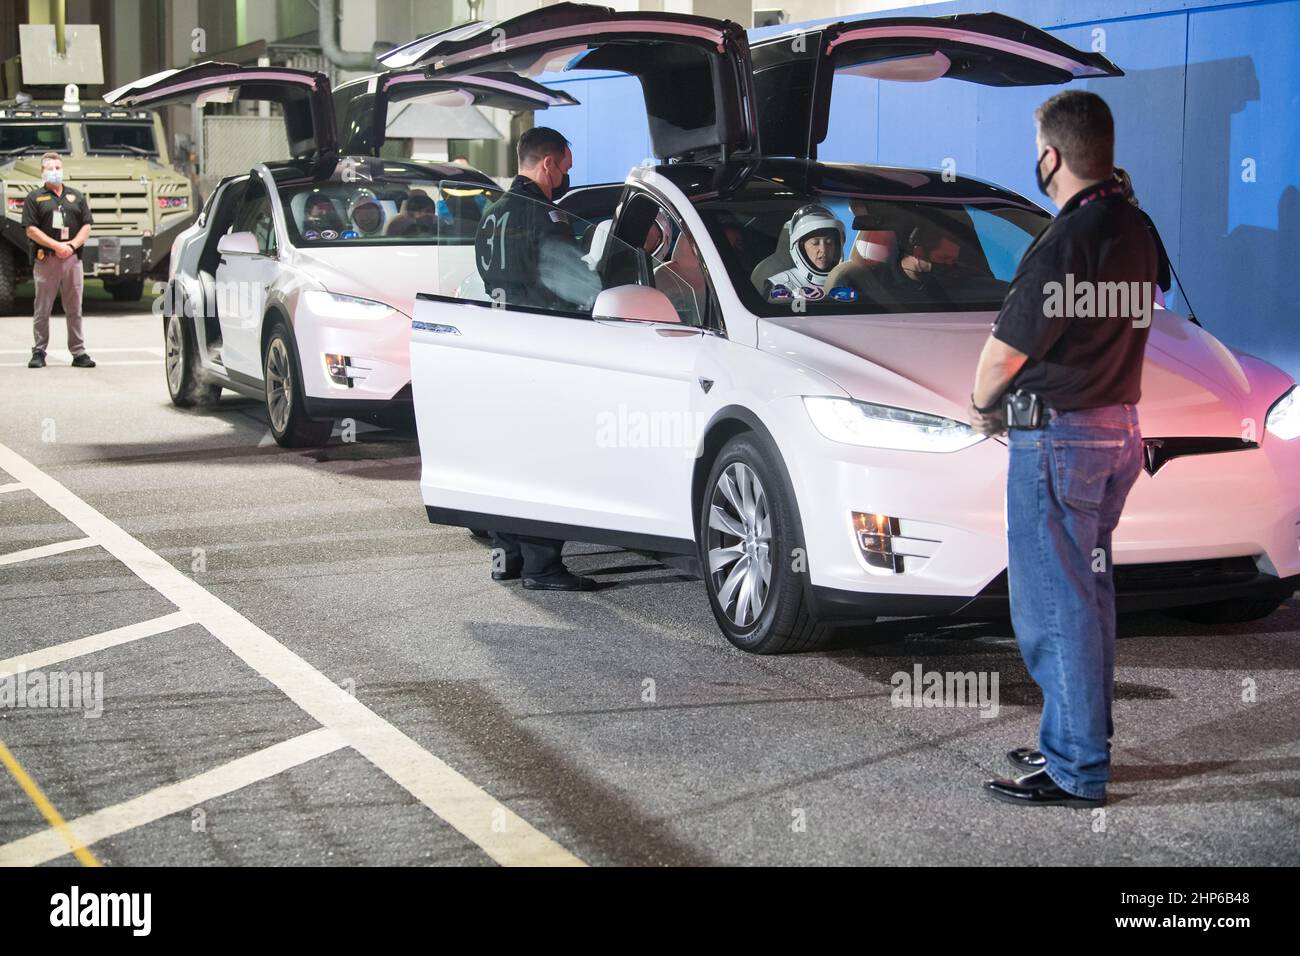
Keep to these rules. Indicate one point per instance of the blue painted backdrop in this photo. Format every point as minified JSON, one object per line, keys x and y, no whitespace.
{"x":1210,"y":102}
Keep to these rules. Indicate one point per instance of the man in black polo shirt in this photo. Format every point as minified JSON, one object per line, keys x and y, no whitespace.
{"x":57,"y":222}
{"x":528,"y":256}
{"x":1072,"y":332}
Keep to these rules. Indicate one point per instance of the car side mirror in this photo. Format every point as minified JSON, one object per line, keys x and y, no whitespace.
{"x":238,"y":244}
{"x":635,"y":303}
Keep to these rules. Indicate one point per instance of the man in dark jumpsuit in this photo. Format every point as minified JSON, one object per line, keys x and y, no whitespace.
{"x":529,"y":258}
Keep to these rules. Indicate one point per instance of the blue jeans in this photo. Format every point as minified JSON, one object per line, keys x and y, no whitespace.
{"x":1066,"y":485}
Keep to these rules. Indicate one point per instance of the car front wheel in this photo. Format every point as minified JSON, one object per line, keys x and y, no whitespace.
{"x":290,"y":425}
{"x":180,"y":362}
{"x":752,"y":553}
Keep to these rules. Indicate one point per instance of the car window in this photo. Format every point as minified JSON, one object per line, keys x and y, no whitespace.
{"x":255,"y":216}
{"x":530,"y":254}
{"x":20,"y":137}
{"x":880,"y":254}
{"x":379,"y":211}
{"x":120,"y":138}
{"x":675,"y":267}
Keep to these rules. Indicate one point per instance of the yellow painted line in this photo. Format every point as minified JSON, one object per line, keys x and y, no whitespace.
{"x":502,"y":834}
{"x":43,"y":804}
{"x":46,"y":845}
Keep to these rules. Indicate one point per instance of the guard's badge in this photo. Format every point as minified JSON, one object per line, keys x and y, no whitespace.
{"x":42,"y":198}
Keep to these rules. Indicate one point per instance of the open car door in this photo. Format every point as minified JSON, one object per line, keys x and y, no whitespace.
{"x":793,"y":73}
{"x":303,"y":96}
{"x":362,"y":107}
{"x":694,"y":71}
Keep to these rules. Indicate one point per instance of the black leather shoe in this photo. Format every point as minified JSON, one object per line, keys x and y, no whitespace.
{"x":37,"y":360}
{"x":1036,"y":790}
{"x":1028,"y":759}
{"x":83,"y":361}
{"x":560,"y":582}
{"x":512,"y":572}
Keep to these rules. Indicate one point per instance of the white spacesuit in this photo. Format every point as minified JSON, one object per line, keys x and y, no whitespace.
{"x":805,"y":280}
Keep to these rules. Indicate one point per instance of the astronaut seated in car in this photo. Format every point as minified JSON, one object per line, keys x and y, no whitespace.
{"x":816,"y":244}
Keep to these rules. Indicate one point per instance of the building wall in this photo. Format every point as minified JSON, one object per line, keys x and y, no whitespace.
{"x":1207,"y":123}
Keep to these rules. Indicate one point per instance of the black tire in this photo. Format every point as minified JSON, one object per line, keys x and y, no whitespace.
{"x":785,"y":622}
{"x":285,"y":410}
{"x":126,"y":290}
{"x":8,"y":278}
{"x":181,"y":364}
{"x":1231,"y":611}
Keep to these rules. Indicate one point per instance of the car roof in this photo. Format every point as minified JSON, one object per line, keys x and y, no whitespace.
{"x":701,"y":181}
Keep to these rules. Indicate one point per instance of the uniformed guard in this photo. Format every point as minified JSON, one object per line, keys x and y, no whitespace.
{"x":57,"y":221}
{"x":1062,"y":371}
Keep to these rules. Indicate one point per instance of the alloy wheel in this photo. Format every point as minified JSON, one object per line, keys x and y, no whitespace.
{"x":175,"y":357}
{"x":740,"y":544}
{"x":279,"y":385}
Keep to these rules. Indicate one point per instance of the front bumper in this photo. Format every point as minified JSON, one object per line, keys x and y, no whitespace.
{"x":379,"y":358}
{"x":1179,"y":526}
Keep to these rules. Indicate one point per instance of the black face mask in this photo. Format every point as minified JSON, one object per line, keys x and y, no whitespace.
{"x":1038,"y":173}
{"x":560,"y":190}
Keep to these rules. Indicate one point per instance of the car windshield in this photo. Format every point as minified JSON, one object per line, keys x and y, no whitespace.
{"x":15,"y":137}
{"x":868,"y":253}
{"x":120,"y":138}
{"x":377,"y":211}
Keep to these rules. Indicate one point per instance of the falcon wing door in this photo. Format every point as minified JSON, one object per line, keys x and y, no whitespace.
{"x":362,"y":107}
{"x":794,"y":72}
{"x":303,"y":96}
{"x":694,"y":71}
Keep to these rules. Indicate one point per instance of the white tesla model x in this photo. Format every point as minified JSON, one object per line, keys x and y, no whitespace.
{"x":809,"y":457}
{"x":295,"y":284}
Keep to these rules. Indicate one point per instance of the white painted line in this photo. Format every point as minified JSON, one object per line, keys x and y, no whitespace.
{"x":45,"y":550}
{"x":46,"y":845}
{"x":12,"y":486}
{"x":49,"y":656}
{"x":502,"y":834}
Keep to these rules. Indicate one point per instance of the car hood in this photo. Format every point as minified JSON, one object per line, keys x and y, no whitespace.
{"x":1192,"y":384}
{"x":387,"y":273}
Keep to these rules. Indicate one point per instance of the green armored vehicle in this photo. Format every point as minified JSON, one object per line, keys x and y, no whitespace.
{"x":117,"y":157}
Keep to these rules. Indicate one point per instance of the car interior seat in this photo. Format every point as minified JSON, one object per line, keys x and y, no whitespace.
{"x":778,"y":261}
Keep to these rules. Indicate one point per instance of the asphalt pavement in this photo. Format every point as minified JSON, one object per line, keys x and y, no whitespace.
{"x":297,"y":668}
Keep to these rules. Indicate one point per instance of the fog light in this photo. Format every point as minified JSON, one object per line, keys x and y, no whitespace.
{"x":337,"y":368}
{"x":876,"y":534}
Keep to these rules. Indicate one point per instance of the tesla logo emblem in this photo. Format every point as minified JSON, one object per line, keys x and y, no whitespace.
{"x":706,"y":384}
{"x":1152,"y":454}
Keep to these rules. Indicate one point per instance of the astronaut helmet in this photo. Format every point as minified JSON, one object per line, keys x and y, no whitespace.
{"x":806,"y":221}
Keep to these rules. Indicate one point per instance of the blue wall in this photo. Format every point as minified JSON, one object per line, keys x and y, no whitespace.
{"x":1209,"y":86}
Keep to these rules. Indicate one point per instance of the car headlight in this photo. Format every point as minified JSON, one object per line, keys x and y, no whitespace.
{"x":345,"y":306}
{"x":883,"y":426}
{"x":1284,"y":417}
